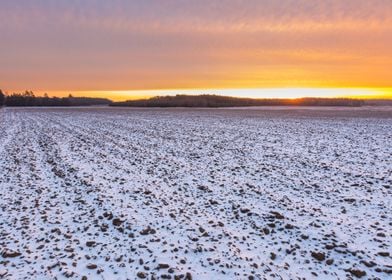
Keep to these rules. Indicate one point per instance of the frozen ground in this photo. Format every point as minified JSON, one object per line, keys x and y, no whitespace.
{"x":195,"y":194}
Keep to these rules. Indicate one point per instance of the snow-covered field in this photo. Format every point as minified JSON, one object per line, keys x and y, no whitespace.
{"x":101,"y":193}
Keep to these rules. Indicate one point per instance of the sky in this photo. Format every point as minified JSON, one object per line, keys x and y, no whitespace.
{"x":260,"y":48}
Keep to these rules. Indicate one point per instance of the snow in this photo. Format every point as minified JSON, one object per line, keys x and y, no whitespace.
{"x":195,"y":193}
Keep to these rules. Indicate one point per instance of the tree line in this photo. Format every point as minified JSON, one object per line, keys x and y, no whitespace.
{"x":2,"y":98}
{"x":28,"y":98}
{"x":214,"y":101}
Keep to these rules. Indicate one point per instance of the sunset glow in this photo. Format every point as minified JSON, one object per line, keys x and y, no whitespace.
{"x":382,"y":93}
{"x":133,"y":49}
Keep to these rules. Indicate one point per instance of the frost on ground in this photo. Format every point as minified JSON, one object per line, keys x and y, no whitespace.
{"x":195,"y":194}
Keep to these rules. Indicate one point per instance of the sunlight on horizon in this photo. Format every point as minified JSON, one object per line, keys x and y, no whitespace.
{"x":378,"y":93}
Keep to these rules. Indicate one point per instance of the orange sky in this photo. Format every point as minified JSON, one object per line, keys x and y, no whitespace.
{"x":111,"y":48}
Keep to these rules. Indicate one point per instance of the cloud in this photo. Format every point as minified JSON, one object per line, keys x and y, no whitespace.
{"x":146,"y":44}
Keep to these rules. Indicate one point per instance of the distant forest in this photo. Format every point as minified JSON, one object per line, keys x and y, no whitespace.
{"x":214,"y":101}
{"x":207,"y":101}
{"x":29,"y":99}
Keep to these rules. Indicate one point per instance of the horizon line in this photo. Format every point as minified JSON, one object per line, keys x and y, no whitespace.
{"x":257,"y":93}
